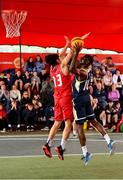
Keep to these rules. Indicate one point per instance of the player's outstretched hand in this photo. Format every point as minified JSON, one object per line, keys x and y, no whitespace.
{"x":85,"y":36}
{"x":67,"y":40}
{"x":77,"y":47}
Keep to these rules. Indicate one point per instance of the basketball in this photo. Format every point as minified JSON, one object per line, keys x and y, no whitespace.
{"x":78,"y":41}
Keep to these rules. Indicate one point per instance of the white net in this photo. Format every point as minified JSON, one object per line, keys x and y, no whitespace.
{"x":13,"y":21}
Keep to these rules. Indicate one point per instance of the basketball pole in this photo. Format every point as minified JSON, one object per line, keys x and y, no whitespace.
{"x":20,"y":48}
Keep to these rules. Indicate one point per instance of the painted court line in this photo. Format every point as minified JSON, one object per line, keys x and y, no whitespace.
{"x":36,"y":156}
{"x":58,"y":135}
{"x":56,"y":139}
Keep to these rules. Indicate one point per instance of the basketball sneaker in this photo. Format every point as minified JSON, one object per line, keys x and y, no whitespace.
{"x":60,"y":152}
{"x":47,"y":150}
{"x":111,"y":147}
{"x":86,"y":158}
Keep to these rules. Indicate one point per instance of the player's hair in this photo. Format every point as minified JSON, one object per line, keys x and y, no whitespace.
{"x":87,"y":60}
{"x":51,"y":59}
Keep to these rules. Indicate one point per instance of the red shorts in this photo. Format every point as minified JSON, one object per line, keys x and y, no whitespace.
{"x":63,"y":109}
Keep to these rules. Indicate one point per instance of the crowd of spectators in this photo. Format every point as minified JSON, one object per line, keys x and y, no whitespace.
{"x":26,"y":96}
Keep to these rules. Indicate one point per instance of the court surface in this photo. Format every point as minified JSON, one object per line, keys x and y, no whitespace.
{"x":31,"y":145}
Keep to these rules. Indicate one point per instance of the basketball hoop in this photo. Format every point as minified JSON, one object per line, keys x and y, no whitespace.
{"x":12,"y":21}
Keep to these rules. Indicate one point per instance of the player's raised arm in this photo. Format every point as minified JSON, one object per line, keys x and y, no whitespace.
{"x":73,"y":64}
{"x":63,"y":51}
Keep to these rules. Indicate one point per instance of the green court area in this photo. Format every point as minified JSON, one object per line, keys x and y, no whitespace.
{"x":100,"y":167}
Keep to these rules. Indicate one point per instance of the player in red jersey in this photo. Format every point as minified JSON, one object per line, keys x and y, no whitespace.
{"x":63,"y":109}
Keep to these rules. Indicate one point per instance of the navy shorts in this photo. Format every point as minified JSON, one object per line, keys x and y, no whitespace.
{"x":83,"y":109}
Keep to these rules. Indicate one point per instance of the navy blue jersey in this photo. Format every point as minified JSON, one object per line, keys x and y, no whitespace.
{"x":80,"y":88}
{"x":81,"y":101}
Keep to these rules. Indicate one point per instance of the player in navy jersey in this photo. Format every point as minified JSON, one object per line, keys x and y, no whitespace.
{"x":82,"y":102}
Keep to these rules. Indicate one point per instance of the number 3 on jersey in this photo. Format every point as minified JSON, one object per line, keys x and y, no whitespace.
{"x":57,"y":80}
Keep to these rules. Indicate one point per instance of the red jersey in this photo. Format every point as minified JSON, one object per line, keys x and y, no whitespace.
{"x":62,"y":83}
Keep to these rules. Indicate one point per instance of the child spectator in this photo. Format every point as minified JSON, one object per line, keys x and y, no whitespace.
{"x":35,"y":82}
{"x":29,"y":116}
{"x":13,"y":115}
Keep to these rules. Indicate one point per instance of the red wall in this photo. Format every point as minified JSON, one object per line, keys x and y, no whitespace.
{"x":7,"y":59}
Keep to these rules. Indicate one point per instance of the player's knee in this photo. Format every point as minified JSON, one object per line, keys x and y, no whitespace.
{"x":57,"y":124}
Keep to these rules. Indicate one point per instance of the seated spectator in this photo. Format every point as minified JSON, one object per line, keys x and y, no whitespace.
{"x":96,"y":63}
{"x":30,"y":65}
{"x":107,"y":79}
{"x":40,"y":65}
{"x":118,"y":117}
{"x":15,"y":94}
{"x":4,"y":96}
{"x":19,"y":80}
{"x":100,"y":114}
{"x":118,"y":80}
{"x":27,"y":82}
{"x":3,"y":118}
{"x":35,"y":82}
{"x":100,"y":94}
{"x":110,"y":113}
{"x":38,"y":107}
{"x":109,"y":65}
{"x":23,"y":103}
{"x":98,"y":77}
{"x":113,"y":94}
{"x":13,"y":116}
{"x":48,"y":101}
{"x":9,"y":81}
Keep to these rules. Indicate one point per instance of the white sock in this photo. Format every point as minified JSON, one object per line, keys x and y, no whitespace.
{"x":49,"y":141}
{"x":107,"y":138}
{"x":84,"y":150}
{"x":63,"y":143}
